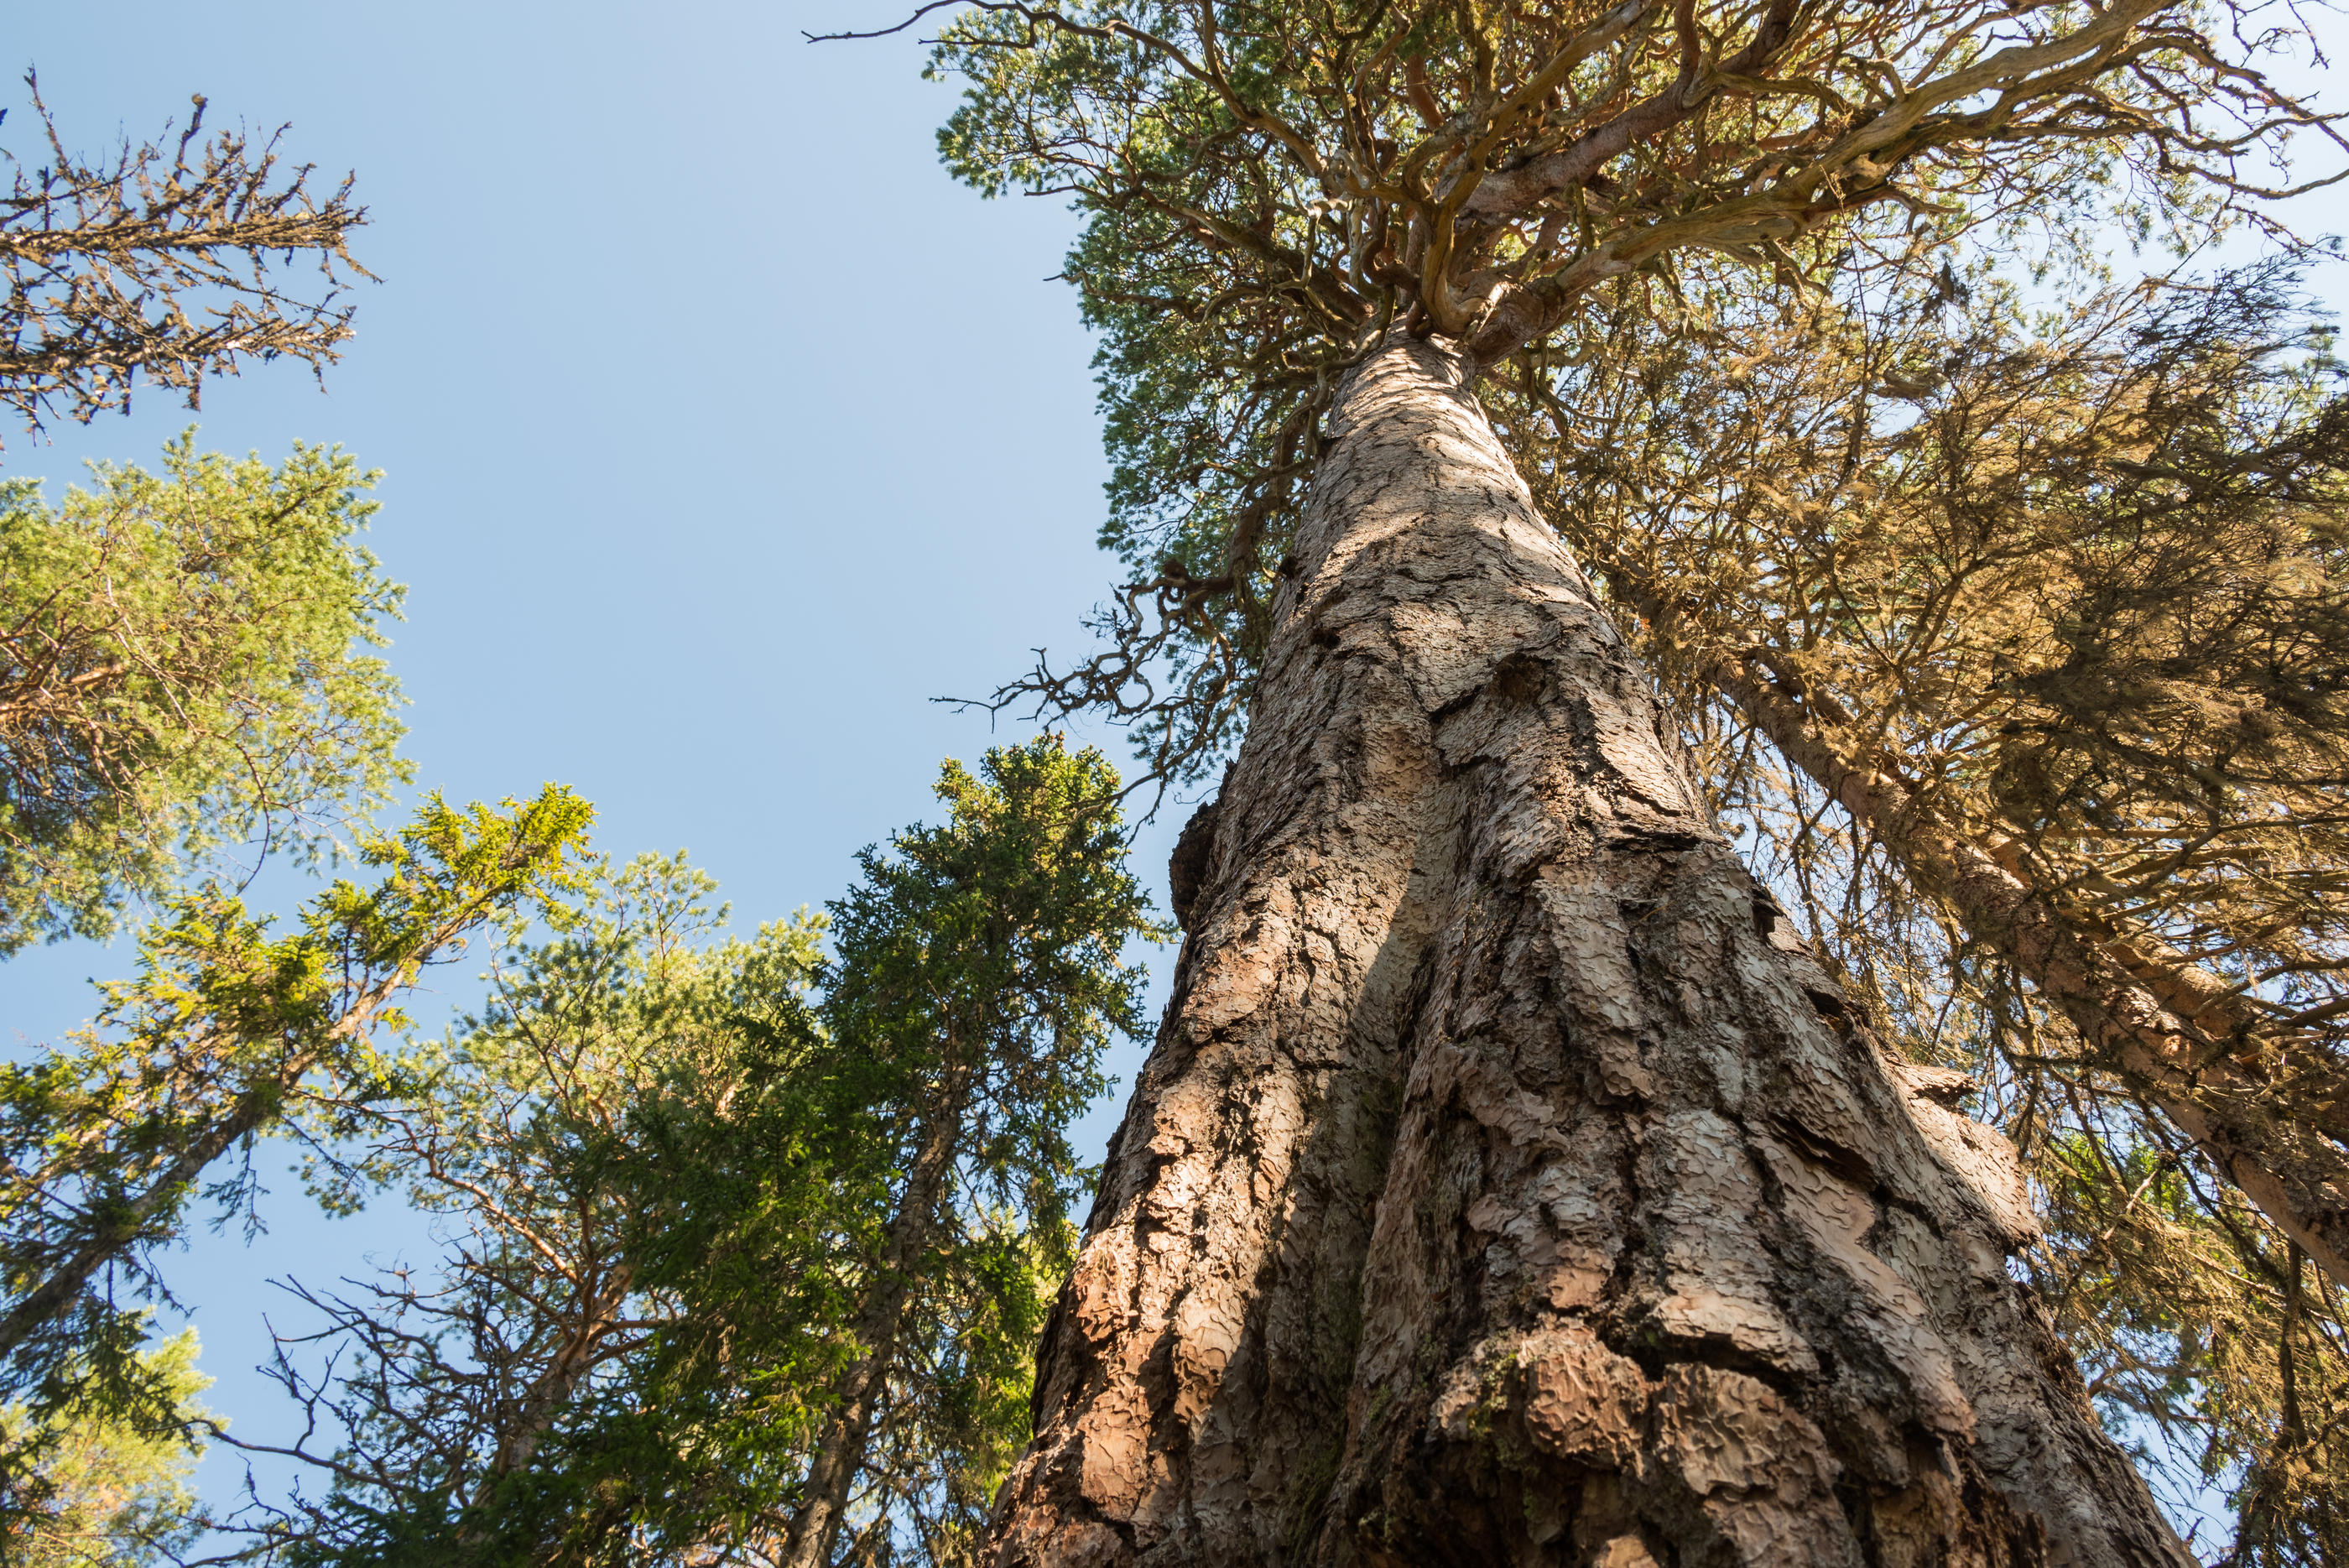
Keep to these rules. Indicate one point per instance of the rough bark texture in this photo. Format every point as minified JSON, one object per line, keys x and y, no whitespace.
{"x":2150,"y":1012}
{"x":1508,"y":1184}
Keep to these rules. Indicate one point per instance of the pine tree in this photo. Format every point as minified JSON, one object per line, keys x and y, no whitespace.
{"x":183,"y":667}
{"x":108,"y":1493}
{"x":1511,"y":1181}
{"x":750,"y":1246}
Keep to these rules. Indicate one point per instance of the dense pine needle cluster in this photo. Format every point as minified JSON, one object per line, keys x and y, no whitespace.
{"x":186,"y":668}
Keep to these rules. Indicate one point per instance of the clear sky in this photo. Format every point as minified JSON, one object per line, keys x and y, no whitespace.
{"x":721,"y":430}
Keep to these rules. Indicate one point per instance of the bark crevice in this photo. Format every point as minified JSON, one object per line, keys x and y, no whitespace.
{"x":1525,"y":1160}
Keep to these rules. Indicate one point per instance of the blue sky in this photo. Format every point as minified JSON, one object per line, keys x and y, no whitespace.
{"x":721,"y":430}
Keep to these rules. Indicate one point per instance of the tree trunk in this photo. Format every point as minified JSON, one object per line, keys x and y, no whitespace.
{"x":584,"y":1345}
{"x":2147,"y":1011}
{"x":1508,"y":1184}
{"x":840,"y":1447}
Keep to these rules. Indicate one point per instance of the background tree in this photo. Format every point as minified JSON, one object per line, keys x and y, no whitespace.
{"x":737,"y":1272}
{"x":178,"y":670}
{"x":109,"y":1493}
{"x":181,"y":667}
{"x":980,"y":973}
{"x":163,"y":260}
{"x":623,"y":1301}
{"x":1635,"y":1211}
{"x":227,"y":1034}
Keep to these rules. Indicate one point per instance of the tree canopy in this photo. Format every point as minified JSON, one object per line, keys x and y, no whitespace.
{"x":183,"y":668}
{"x":109,"y":1492}
{"x":108,"y":1144}
{"x":749,"y":1243}
{"x":1265,"y":185}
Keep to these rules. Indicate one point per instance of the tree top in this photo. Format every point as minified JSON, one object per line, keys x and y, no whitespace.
{"x":1270,"y":186}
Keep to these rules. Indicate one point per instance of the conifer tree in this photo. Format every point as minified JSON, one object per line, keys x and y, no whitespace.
{"x":638,"y":1177}
{"x":109,"y":1145}
{"x":163,"y":261}
{"x":177,"y":654}
{"x":750,"y":1246}
{"x":183,"y":669}
{"x":979,"y":970}
{"x":1512,"y":1182}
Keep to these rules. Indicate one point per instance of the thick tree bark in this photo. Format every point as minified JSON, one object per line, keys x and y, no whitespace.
{"x":2172,"y":1028}
{"x":1508,"y":1184}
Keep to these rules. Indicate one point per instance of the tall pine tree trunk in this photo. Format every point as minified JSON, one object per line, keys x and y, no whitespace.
{"x":840,"y":1444}
{"x":1508,"y":1184}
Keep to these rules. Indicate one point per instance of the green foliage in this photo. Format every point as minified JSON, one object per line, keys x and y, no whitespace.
{"x":634,"y":1186}
{"x":671,"y":1167}
{"x":100,"y":1491}
{"x":180,"y":671}
{"x":993,"y":942}
{"x":978,"y":974}
{"x":1269,"y":190}
{"x":227,"y":1034}
{"x":2205,"y":1341}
